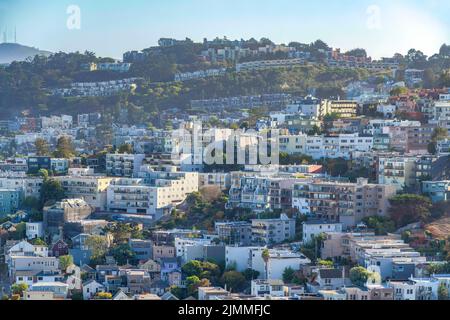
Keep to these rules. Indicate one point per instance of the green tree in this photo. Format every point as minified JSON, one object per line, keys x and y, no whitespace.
{"x":359,"y":276}
{"x":438,"y":134}
{"x":202,"y":269}
{"x":43,"y":173}
{"x":192,"y":268}
{"x":123,"y":254}
{"x":65,"y":262}
{"x":409,"y":208}
{"x":235,"y":281}
{"x":443,"y":292}
{"x":19,"y":233}
{"x":193,"y":283}
{"x":64,"y":148}
{"x":51,"y":190}
{"x":406,"y":236}
{"x":121,"y":232}
{"x":103,"y":296}
{"x":126,"y":149}
{"x":99,"y":247}
{"x":325,"y":263}
{"x":250,"y":274}
{"x":31,"y":203}
{"x":399,"y":91}
{"x":288,"y":275}
{"x":38,"y":242}
{"x":19,"y":288}
{"x":381,"y":225}
{"x":42,"y":148}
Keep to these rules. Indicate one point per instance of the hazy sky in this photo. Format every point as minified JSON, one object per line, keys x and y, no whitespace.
{"x":111,"y":27}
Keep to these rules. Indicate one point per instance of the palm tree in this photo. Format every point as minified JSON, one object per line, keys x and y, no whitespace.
{"x":265,"y":256}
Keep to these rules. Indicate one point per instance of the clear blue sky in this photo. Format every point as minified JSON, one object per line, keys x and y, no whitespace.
{"x":110,"y":27}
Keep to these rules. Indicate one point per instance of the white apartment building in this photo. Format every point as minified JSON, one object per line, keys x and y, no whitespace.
{"x":57,"y":122}
{"x":200,"y":74}
{"x":312,"y":229}
{"x":280,"y":260}
{"x":219,"y":179}
{"x":90,"y":188}
{"x":382,"y":253}
{"x":29,"y":186}
{"x":123,"y":165}
{"x":415,"y":289}
{"x":376,"y":126}
{"x":388,"y":110}
{"x":195,"y":251}
{"x":21,"y":261}
{"x":156,"y":197}
{"x":396,"y":170}
{"x":293,"y":144}
{"x":271,"y":231}
{"x":116,"y":66}
{"x":25,"y":248}
{"x":243,"y":258}
{"x":309,"y":106}
{"x":268,"y":64}
{"x":272,"y":288}
{"x":341,"y":146}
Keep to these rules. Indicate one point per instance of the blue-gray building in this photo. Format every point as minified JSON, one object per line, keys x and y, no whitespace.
{"x":438,"y":191}
{"x":9,"y":201}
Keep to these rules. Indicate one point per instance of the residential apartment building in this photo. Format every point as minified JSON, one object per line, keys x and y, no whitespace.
{"x":28,"y":186}
{"x":123,"y":165}
{"x":309,"y":106}
{"x":260,"y":192}
{"x":340,"y":146}
{"x":32,"y":263}
{"x":280,"y":260}
{"x":219,"y":179}
{"x":347,"y":203}
{"x":438,"y":191}
{"x":272,"y":231}
{"x":343,"y":108}
{"x":396,"y":170}
{"x":382,"y":254}
{"x":154,"y":195}
{"x":10,"y":200}
{"x":90,"y":188}
{"x":234,"y":233}
{"x":269,"y":64}
{"x":415,"y":289}
{"x":313,"y":228}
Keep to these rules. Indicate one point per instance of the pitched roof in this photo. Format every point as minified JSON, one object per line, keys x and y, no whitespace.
{"x":87,"y":268}
{"x":120,"y":293}
{"x":91,"y":281}
{"x":169,"y":296}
